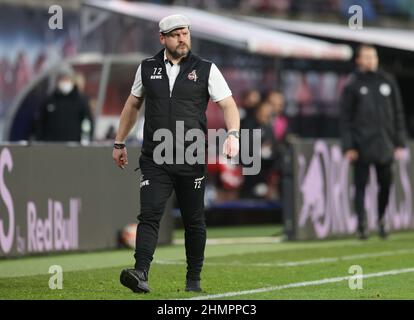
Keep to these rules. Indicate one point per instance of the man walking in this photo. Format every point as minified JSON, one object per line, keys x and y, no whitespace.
{"x":373,"y":131}
{"x":176,"y":85}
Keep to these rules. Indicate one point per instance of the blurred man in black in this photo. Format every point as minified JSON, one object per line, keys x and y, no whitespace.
{"x":258,"y":186}
{"x":65,"y":114}
{"x":373,"y":130}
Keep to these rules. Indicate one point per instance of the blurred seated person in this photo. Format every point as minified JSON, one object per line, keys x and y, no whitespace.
{"x":259,"y":186}
{"x":65,"y":115}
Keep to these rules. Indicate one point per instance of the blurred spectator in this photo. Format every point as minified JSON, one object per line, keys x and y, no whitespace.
{"x":250,"y":100}
{"x":279,"y":120}
{"x":258,"y":186}
{"x":65,"y":115}
{"x":280,"y":126}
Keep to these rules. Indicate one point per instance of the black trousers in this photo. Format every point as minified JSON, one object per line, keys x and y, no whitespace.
{"x":157,"y":184}
{"x":361,"y":175}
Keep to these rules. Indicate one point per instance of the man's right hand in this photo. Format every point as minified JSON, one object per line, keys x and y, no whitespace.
{"x":351,"y":155}
{"x":120,"y":157}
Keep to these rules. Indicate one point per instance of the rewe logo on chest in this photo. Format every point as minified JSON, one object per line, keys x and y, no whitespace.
{"x":156,"y":75}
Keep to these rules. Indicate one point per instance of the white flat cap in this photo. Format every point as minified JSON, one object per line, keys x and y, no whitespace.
{"x":172,"y":22}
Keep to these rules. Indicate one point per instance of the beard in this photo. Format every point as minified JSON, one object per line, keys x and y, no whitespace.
{"x":179,"y":51}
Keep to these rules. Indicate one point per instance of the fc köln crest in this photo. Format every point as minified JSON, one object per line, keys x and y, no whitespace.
{"x":192,"y":76}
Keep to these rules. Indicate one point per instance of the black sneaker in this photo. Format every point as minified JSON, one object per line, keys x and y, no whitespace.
{"x":193,"y":286}
{"x":135,"y":280}
{"x":382,"y":232}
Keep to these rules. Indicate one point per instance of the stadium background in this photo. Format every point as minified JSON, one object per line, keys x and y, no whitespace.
{"x":105,"y":40}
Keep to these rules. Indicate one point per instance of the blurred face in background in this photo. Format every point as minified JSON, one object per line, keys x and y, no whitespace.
{"x":367,"y":60}
{"x":251,"y":99}
{"x":264,"y":113}
{"x":277,"y":101}
{"x":65,"y":84}
{"x":177,"y":42}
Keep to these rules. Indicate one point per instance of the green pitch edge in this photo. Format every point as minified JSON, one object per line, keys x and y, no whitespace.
{"x":85,"y":261}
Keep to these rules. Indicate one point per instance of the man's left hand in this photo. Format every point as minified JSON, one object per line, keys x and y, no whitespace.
{"x":231,"y":146}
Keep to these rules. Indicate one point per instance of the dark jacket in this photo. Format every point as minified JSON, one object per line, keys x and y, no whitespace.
{"x":187,"y":103}
{"x":268,"y":140}
{"x":60,"y":117}
{"x":372,"y":116}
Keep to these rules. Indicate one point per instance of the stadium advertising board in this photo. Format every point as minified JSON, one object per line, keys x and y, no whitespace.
{"x":321,"y":192}
{"x":58,"y":198}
